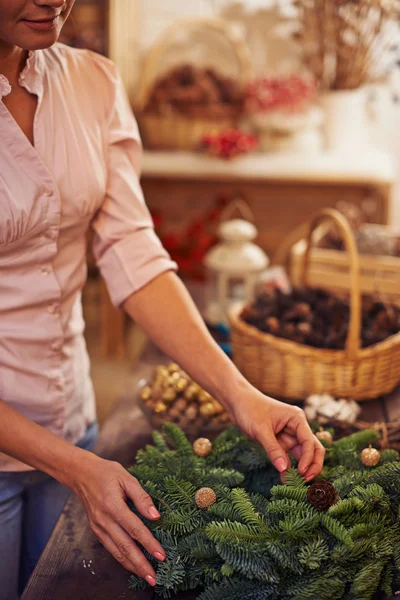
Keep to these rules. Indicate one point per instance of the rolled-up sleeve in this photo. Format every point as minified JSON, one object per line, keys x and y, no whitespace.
{"x":125,"y":245}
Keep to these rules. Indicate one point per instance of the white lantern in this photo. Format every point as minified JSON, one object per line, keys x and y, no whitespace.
{"x":233,"y":267}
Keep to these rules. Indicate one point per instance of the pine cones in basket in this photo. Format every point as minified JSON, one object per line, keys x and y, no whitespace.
{"x":193,"y":91}
{"x":316,"y":318}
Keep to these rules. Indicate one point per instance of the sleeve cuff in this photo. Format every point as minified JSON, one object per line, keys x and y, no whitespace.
{"x":131,"y":263}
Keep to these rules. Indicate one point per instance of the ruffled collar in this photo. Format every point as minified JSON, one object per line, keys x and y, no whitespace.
{"x":31,"y":76}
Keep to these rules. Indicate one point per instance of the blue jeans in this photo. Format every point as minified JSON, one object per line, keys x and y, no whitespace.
{"x":30,"y":504}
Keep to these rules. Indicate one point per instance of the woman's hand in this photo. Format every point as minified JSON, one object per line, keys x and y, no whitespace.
{"x":104,"y":488}
{"x":281,"y":429}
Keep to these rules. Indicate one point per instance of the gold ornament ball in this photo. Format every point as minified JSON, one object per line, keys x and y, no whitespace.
{"x":205,"y":497}
{"x":191,"y":391}
{"x":145,"y":394}
{"x":161,"y":372}
{"x":173,"y":379}
{"x":218,"y":408}
{"x":181,"y":384}
{"x":370,"y":457}
{"x":169,"y":395}
{"x":202,"y":447}
{"x":160,"y":407}
{"x":325,"y":436}
{"x":204,"y":397}
{"x":174,"y":368}
{"x":207,"y":410}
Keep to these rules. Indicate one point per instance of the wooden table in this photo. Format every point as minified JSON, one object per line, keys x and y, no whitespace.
{"x":74,"y":565}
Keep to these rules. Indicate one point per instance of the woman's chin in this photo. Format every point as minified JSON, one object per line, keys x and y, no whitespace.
{"x":38,"y":40}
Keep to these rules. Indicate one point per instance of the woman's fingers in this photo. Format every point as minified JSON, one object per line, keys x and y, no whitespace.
{"x":127,"y":553}
{"x":140,"y":498}
{"x":316,"y":466}
{"x":136,"y":530}
{"x":277,"y":455}
{"x":291,"y":444}
{"x":299,"y":427}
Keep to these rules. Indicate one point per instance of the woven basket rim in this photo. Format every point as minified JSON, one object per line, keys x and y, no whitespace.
{"x":302,"y":349}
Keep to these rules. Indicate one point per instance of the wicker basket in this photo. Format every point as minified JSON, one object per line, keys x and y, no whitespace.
{"x":180,"y":132}
{"x":379,"y":275}
{"x":294,"y":371}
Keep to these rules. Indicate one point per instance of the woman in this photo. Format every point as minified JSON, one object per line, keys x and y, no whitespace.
{"x":70,"y":159}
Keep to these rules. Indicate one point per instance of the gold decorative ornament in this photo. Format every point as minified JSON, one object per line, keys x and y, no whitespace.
{"x":370,"y":456}
{"x":174,"y":368}
{"x":191,"y":391}
{"x":218,"y":408}
{"x":207,"y":410}
{"x":324,"y":436}
{"x":204,"y":397}
{"x":202,"y":447}
{"x":205,"y":497}
{"x":169,"y":395}
{"x":145,"y":394}
{"x":161,"y":372}
{"x":173,"y":379}
{"x":181,"y":384}
{"x":160,"y":407}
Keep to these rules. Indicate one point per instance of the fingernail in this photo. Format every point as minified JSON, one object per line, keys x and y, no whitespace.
{"x":159,"y":556}
{"x":153,"y":512}
{"x":281,"y":465}
{"x":309,"y":478}
{"x":150,"y":579}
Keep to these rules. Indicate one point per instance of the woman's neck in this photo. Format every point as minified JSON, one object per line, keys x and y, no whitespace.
{"x":12,"y":61}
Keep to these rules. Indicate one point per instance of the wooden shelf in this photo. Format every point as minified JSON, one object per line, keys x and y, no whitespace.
{"x":373,"y":167}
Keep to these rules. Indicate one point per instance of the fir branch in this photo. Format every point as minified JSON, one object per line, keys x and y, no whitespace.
{"x":228,"y":531}
{"x":386,"y":582}
{"x":313,"y":552}
{"x":249,"y":560}
{"x":290,"y":493}
{"x":294,"y":528}
{"x":160,"y":442}
{"x":285,"y":556}
{"x":367,"y":580}
{"x":245,"y":508}
{"x":227,"y":477}
{"x":294,"y":479}
{"x":178,"y":438}
{"x":336,"y":529}
{"x":239,"y":589}
{"x":179,"y":492}
{"x":323,"y":588}
{"x":181,"y":521}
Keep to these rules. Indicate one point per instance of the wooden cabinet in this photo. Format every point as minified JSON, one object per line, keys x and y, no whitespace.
{"x":282,"y":191}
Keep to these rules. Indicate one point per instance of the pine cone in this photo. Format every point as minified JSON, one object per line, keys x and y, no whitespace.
{"x":322,"y":495}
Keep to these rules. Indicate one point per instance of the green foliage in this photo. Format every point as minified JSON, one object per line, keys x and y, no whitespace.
{"x":262,"y":540}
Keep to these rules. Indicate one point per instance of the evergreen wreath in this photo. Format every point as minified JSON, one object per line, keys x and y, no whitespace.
{"x":261,"y":540}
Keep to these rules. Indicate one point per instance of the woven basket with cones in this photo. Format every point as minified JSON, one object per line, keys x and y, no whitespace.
{"x":174,"y":130}
{"x":295,"y":371}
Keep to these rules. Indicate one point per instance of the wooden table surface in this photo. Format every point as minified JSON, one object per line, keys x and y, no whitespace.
{"x":74,"y":565}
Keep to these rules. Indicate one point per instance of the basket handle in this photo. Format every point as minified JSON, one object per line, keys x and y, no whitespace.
{"x":159,"y":49}
{"x":330,"y":214}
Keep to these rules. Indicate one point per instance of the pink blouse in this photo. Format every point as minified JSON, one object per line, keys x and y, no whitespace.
{"x":82,"y":172}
